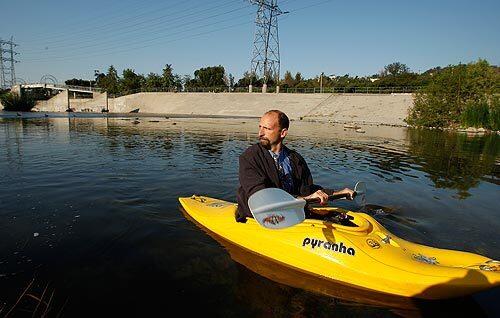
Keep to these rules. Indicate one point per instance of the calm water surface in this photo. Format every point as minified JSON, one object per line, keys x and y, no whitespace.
{"x":90,"y":222}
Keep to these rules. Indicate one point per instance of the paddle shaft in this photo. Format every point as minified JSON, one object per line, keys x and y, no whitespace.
{"x":331,"y":197}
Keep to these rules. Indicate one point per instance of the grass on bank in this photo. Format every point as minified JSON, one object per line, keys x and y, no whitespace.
{"x":482,"y":114}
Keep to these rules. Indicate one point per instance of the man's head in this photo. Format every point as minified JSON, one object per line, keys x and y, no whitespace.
{"x":273,"y":128}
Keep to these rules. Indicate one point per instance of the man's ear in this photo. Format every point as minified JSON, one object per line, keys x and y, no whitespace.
{"x":284,"y":132}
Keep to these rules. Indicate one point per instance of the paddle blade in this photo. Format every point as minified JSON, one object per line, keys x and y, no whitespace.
{"x":275,"y":208}
{"x":360,"y":189}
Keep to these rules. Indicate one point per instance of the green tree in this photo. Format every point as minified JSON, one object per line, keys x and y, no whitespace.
{"x":168,"y":76}
{"x":298,"y":78}
{"x":80,"y":82}
{"x":210,"y":76}
{"x":178,"y":81}
{"x":247,"y":79}
{"x":110,"y":82}
{"x":288,"y":80}
{"x":395,"y":69}
{"x":131,"y":82}
{"x":152,"y":82}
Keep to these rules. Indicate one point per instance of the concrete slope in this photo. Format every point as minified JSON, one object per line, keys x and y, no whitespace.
{"x":58,"y":103}
{"x":228,"y":104}
{"x":389,"y":109}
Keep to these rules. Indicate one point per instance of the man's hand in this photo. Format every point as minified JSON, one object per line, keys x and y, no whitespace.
{"x":349,"y":192}
{"x":318,"y":194}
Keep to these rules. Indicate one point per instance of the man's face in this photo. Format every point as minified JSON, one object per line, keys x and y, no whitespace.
{"x":270,"y":133}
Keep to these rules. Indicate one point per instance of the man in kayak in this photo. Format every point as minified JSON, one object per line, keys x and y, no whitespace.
{"x":270,"y":164}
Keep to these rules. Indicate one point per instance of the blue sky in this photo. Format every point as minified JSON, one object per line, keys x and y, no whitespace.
{"x":69,"y":39}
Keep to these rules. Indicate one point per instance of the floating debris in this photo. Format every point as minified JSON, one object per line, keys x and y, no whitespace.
{"x":352,"y":126}
{"x":36,"y":234}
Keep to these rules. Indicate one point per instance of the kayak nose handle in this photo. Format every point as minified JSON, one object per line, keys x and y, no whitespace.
{"x":490,"y":266}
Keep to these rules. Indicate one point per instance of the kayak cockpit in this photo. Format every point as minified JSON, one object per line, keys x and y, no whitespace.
{"x":339,"y":219}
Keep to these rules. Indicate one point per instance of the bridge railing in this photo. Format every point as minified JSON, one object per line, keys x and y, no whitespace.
{"x":272,"y":89}
{"x":352,"y":90}
{"x":63,"y":86}
{"x":80,"y":88}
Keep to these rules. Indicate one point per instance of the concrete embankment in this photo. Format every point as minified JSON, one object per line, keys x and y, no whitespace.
{"x":390,"y":109}
{"x":367,"y":108}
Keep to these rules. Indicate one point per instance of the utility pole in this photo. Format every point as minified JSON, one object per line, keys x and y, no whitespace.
{"x":321,"y":82}
{"x":266,"y":49}
{"x":7,"y":74}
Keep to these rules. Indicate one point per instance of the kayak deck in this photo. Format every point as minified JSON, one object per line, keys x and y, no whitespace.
{"x":364,"y":254}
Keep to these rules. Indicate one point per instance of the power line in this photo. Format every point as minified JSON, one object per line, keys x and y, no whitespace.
{"x":145,"y":46}
{"x":109,"y":18}
{"x":114,"y":50}
{"x":126,"y":35}
{"x":156,"y":38}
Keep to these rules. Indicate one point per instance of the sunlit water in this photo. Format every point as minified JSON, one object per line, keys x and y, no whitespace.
{"x":89,"y":210}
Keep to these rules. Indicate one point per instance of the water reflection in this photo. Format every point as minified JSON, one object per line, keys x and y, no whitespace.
{"x":207,"y":145}
{"x":455,"y":161}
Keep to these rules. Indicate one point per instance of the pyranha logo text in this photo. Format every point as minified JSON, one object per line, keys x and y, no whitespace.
{"x":341,"y":248}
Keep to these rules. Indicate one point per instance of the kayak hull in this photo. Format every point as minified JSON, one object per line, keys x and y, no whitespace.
{"x":364,"y":255}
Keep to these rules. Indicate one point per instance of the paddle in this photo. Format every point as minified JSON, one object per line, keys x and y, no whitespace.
{"x":275,"y":208}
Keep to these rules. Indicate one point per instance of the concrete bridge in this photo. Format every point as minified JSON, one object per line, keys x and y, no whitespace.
{"x":59,"y":87}
{"x":69,"y":97}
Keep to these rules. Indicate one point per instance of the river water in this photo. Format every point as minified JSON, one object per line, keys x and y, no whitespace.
{"x":90,"y":222}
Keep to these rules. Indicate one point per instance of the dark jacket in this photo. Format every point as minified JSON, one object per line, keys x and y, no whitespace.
{"x":258,"y":171}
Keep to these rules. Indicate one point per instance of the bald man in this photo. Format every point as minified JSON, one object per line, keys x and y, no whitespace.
{"x":270,"y":164}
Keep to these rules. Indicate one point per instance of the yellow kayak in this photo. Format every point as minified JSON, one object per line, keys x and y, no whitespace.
{"x":363,"y":254}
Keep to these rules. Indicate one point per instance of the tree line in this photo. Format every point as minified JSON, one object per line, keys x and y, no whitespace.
{"x":393,"y":75}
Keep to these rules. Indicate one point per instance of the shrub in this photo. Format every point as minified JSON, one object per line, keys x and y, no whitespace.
{"x":458,"y":94}
{"x":14,"y":102}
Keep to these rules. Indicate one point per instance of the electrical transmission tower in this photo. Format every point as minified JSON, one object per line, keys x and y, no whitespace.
{"x":266,"y":48}
{"x":7,"y":73}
